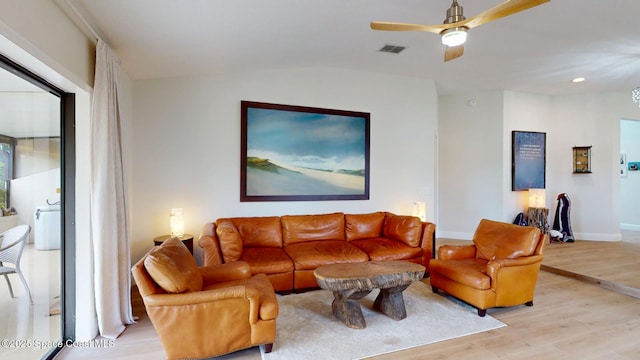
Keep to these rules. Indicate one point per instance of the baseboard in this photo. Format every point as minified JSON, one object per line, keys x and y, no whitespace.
{"x":578,"y":236}
{"x":632,"y":227}
{"x":597,"y":237}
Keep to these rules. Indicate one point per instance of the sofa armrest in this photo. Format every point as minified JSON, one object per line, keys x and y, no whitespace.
{"x":199,"y":298}
{"x":493,"y":266}
{"x":456,"y":252}
{"x":428,"y":239}
{"x":520,"y":261}
{"x":236,"y":270}
{"x":210,"y":245}
{"x":542,"y":242}
{"x":526,"y":265}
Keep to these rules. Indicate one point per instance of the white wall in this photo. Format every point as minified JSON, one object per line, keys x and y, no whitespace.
{"x":568,"y":120}
{"x":583,"y":120}
{"x":630,"y":184}
{"x":186,"y":148}
{"x":35,"y":155}
{"x":42,"y":29}
{"x":29,"y":192}
{"x":470,"y":162}
{"x":524,"y":112}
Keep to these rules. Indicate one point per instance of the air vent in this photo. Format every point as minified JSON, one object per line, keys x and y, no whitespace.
{"x":395,"y":49}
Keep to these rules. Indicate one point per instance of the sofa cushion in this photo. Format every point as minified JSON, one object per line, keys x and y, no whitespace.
{"x":407,"y":229}
{"x":387,"y":249}
{"x":302,"y":228}
{"x":469,"y":272}
{"x":258,"y":231}
{"x":499,"y":240}
{"x":311,"y":254}
{"x":267,"y":260}
{"x":363,"y":226}
{"x":173,"y":268}
{"x":230,"y":241}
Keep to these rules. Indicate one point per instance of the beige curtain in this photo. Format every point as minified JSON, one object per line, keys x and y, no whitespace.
{"x":109,"y":225}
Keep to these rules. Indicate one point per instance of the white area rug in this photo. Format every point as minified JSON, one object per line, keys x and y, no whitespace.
{"x":307,"y":329}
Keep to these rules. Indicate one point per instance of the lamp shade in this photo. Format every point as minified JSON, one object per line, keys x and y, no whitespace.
{"x":176,"y":222}
{"x":537,"y":198}
{"x":420,"y":210}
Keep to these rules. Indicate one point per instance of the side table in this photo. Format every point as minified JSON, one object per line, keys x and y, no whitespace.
{"x":538,"y":217}
{"x":186,"y":239}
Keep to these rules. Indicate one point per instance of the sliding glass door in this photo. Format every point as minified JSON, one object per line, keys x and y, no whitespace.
{"x":36,"y":193}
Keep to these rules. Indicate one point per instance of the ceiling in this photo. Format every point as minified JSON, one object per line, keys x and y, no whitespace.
{"x":539,"y":50}
{"x":26,"y":110}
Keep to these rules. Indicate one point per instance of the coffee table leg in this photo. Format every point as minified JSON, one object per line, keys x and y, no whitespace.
{"x":391,"y":303}
{"x":346,"y":307}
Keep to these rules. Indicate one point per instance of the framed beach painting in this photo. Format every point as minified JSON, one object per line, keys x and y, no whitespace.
{"x":297,"y":153}
{"x":528,"y":158}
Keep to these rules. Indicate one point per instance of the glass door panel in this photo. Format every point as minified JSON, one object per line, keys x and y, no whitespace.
{"x":30,"y":194}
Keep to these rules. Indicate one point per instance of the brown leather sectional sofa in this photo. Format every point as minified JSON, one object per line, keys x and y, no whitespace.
{"x":289,"y":248}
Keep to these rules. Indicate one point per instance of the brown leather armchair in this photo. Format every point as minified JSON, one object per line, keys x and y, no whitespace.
{"x":499,"y":269}
{"x":200,"y":312}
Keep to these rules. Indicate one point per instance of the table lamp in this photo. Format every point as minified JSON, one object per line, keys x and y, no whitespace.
{"x":419,"y":210}
{"x":537,"y":198}
{"x":176,"y":222}
{"x":537,"y":213}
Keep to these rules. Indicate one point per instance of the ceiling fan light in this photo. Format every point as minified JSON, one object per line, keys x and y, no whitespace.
{"x":454,"y":36}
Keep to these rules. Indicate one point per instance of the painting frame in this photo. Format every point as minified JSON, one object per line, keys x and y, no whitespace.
{"x":291,"y":137}
{"x":528,"y":160}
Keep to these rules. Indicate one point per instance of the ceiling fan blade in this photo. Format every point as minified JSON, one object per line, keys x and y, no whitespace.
{"x":394,"y":26}
{"x":506,"y":8}
{"x":453,"y":52}
{"x":499,"y":11}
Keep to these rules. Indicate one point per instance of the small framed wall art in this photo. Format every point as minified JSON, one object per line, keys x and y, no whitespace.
{"x":582,"y":159}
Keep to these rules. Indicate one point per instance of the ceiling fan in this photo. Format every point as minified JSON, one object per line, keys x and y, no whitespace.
{"x":455,"y":26}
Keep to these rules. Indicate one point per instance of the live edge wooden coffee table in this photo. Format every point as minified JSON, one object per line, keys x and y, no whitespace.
{"x":351,"y":282}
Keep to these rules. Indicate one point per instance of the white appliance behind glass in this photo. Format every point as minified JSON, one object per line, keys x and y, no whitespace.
{"x":47,"y":227}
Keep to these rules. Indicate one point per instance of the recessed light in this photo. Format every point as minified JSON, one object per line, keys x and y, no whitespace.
{"x":578,"y":80}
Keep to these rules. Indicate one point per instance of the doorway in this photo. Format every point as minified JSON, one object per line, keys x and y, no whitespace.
{"x":629,"y":174}
{"x":36,"y":158}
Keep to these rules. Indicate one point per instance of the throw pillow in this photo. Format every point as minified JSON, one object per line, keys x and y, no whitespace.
{"x":407,"y":229}
{"x":173,"y":268}
{"x":230,"y":241}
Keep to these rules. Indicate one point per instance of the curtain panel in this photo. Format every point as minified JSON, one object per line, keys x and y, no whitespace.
{"x":109,"y":213}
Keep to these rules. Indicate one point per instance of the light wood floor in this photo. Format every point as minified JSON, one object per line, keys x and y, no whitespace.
{"x":576,"y":315}
{"x":609,"y":265}
{"x":21,"y":320}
